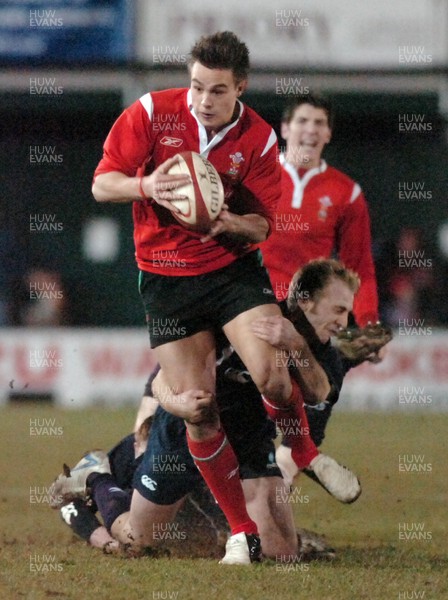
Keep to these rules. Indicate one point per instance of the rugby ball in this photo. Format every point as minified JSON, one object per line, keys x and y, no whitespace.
{"x":204,"y":195}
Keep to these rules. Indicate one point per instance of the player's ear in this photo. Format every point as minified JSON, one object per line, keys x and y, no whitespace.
{"x":241,"y":87}
{"x":305,"y":304}
{"x":284,"y":130}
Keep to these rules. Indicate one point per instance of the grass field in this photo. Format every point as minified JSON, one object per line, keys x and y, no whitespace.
{"x":40,"y":559}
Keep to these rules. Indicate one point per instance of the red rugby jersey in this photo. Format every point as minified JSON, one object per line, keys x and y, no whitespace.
{"x":158,"y":126}
{"x":321,"y":213}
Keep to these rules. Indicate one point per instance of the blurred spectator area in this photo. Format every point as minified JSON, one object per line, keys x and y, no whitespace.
{"x":49,"y":148}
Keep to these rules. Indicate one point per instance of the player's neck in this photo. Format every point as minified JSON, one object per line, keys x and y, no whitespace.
{"x":211,"y":132}
{"x":301,"y":162}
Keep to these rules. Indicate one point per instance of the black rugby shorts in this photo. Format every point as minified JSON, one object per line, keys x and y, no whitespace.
{"x":178,"y":307}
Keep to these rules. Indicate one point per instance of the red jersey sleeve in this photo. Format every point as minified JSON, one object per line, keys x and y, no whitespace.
{"x":128,"y":144}
{"x":354,"y":250}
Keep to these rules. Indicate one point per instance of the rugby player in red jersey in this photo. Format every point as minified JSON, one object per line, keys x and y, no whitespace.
{"x":321,"y":211}
{"x":216,"y":281}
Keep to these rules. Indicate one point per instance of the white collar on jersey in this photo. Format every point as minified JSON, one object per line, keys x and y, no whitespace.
{"x":300,"y":183}
{"x":204,"y":145}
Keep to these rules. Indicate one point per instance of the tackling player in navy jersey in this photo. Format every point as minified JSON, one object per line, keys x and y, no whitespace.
{"x":320,"y":299}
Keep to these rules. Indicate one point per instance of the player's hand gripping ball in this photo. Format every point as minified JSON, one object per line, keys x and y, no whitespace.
{"x":204,"y":195}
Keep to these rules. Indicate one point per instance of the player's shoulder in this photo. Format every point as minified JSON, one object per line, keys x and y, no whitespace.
{"x":347,"y":186}
{"x":171,"y":100}
{"x":170,"y":94}
{"x":260,"y":132}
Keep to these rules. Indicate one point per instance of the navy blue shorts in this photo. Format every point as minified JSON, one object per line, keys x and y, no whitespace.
{"x":167,"y":472}
{"x":178,"y":307}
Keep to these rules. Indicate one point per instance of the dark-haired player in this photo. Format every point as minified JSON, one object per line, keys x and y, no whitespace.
{"x":216,"y":281}
{"x":321,"y":211}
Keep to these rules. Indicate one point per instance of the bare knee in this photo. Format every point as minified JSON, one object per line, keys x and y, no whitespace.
{"x":133,"y":538}
{"x":136,"y":542}
{"x":274,"y":518}
{"x":278,"y":536}
{"x":277,"y":533}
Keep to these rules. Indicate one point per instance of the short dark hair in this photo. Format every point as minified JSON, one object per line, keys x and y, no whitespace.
{"x":222,"y":50}
{"x":309,"y":282}
{"x":315,"y":100}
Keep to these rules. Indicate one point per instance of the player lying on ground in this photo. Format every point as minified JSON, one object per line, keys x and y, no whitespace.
{"x":122,"y":461}
{"x":217,"y":281}
{"x":330,"y":290}
{"x":200,"y":508}
{"x":167,"y":473}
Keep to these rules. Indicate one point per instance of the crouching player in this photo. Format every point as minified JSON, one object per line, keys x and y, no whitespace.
{"x":320,"y":299}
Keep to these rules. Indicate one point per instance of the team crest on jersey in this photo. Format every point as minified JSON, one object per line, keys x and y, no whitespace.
{"x":171,"y":141}
{"x":325,"y":203}
{"x":235,"y":165}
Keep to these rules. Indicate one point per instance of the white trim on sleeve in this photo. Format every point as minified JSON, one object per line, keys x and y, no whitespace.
{"x":271,"y":141}
{"x":148,"y":104}
{"x":355,"y":193}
